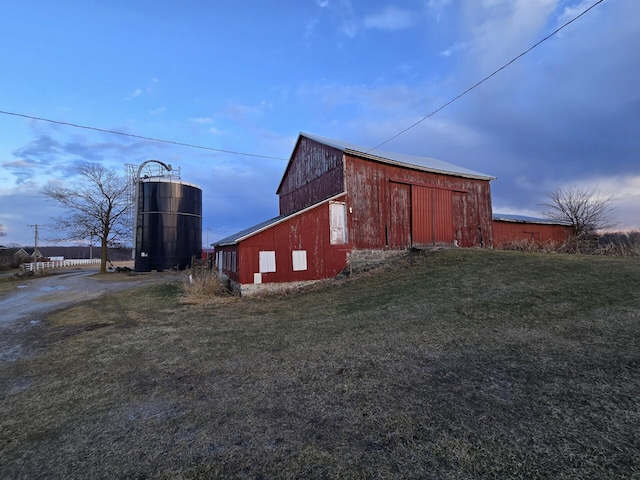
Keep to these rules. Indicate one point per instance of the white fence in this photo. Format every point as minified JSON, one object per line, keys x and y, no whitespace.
{"x":34,"y":266}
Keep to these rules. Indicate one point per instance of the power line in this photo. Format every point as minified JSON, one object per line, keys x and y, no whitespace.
{"x":58,"y":122}
{"x":487,"y":77}
{"x":231,"y":152}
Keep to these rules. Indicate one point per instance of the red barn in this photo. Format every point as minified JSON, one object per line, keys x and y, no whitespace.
{"x":337,"y":199}
{"x":508,"y":229}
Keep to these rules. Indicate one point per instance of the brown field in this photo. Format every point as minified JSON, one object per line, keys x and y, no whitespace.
{"x":455,"y":364}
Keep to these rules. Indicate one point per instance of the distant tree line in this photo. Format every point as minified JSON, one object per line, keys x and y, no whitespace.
{"x":624,"y":244}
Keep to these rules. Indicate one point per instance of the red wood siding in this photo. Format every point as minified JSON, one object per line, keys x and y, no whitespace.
{"x":505,"y":232}
{"x":431,"y":216}
{"x":315,"y":173}
{"x":429,"y":208}
{"x":308,"y":231}
{"x":398,"y":229}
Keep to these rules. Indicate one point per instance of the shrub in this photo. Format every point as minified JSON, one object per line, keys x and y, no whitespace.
{"x":205,"y":286}
{"x":620,"y":244}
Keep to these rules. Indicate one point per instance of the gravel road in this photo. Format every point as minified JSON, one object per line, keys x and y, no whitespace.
{"x":24,"y":305}
{"x":36,"y":296}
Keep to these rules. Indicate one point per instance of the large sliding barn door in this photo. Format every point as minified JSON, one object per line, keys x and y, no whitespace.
{"x":431,"y":216}
{"x":419,"y":215}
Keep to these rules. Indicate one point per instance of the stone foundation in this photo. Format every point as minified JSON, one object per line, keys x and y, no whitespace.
{"x":363,"y":260}
{"x":250,"y":289}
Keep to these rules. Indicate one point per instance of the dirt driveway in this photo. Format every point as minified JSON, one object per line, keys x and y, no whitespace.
{"x":24,"y":303}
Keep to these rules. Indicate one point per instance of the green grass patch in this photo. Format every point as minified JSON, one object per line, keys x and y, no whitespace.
{"x":456,"y":364}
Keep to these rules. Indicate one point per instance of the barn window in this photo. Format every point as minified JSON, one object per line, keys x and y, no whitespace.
{"x":267,"y":262}
{"x":337,"y":223}
{"x":234,"y":262}
{"x":299,"y":260}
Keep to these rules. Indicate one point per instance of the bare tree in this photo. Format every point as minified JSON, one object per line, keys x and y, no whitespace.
{"x":97,"y":207}
{"x":2,"y":232}
{"x":586,"y":210}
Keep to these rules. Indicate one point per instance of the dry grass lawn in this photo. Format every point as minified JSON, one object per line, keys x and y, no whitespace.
{"x":456,"y":364}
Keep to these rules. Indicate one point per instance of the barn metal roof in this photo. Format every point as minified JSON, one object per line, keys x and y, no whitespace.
{"x":505,"y":217}
{"x":400,"y":159}
{"x":247,"y":232}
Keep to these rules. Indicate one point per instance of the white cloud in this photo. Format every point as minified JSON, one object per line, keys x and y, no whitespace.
{"x":343,"y":11}
{"x":625,"y":191}
{"x":202,"y":120}
{"x":502,"y":28}
{"x":455,"y":48}
{"x":349,"y":28}
{"x":390,"y":101}
{"x":438,"y":3}
{"x":157,"y":111}
{"x":150,"y":89}
{"x":322,"y":3}
{"x":310,"y":28}
{"x":22,"y":163}
{"x":436,"y":8}
{"x":575,"y":10}
{"x":136,"y":93}
{"x":390,"y":19}
{"x":239,"y":111}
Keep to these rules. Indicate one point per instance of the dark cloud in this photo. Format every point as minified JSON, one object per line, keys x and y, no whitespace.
{"x":567,"y":112}
{"x":42,"y":150}
{"x":236,"y":194}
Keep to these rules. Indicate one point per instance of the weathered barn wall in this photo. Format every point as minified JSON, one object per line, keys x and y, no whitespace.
{"x":307,"y":232}
{"x":315,"y":173}
{"x":395,"y":207}
{"x":505,"y":232}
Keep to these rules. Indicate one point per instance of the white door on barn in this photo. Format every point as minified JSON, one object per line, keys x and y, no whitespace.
{"x":338,"y":223}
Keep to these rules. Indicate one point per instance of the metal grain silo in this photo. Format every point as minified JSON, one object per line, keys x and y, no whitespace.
{"x":168,"y":221}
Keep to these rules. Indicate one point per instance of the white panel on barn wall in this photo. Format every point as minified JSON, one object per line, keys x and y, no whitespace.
{"x":337,"y":220}
{"x":257,"y":278}
{"x":299,"y":260}
{"x":267,"y":262}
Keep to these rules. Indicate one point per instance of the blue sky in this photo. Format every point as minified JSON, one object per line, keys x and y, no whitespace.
{"x":248,"y":76}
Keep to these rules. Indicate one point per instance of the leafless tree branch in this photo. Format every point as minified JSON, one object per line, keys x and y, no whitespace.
{"x":96,"y":208}
{"x":586,"y":210}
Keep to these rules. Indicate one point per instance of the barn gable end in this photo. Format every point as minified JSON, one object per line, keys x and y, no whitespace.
{"x":314,"y":173}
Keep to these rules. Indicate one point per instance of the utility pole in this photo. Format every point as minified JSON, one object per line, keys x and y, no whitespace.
{"x":35,"y":240}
